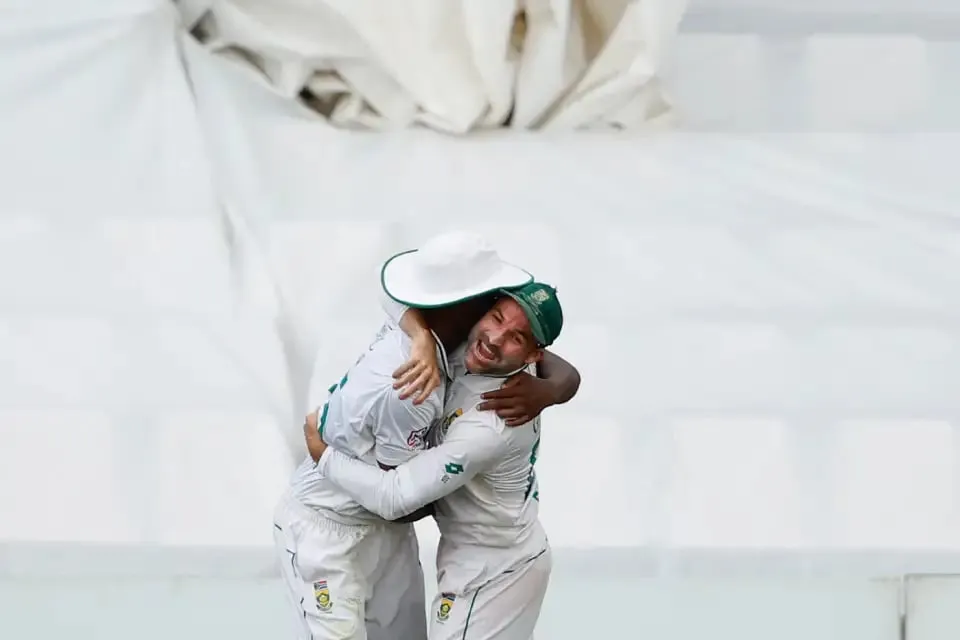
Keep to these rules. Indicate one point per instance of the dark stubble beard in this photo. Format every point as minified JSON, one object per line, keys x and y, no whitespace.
{"x":501,"y":368}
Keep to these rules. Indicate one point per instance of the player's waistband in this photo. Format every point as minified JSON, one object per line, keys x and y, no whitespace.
{"x":289,"y":507}
{"x":467,"y":567}
{"x":529,"y":535}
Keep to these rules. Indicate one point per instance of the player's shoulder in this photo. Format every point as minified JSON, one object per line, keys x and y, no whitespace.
{"x":386,"y":352}
{"x":491,"y":428}
{"x":388,"y":358}
{"x":390,"y":350}
{"x":477,"y":385}
{"x":372,"y":373}
{"x":489,"y":420}
{"x":520,"y":437}
{"x":429,"y":410}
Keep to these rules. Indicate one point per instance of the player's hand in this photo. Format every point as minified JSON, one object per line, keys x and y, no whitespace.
{"x":420,"y":375}
{"x":311,"y":431}
{"x":521,"y":399}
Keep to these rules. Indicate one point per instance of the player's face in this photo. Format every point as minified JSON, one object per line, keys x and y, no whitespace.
{"x":501,"y":342}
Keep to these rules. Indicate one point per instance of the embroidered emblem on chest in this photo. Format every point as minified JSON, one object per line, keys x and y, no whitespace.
{"x":448,"y":421}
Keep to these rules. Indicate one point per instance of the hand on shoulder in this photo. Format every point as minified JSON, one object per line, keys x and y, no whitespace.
{"x":420,"y":375}
{"x":522,"y":398}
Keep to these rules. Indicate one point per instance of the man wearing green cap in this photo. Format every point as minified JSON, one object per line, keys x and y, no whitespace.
{"x":494,"y":561}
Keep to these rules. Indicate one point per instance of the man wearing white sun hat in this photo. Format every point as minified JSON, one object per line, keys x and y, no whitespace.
{"x":351,"y":574}
{"x":448,"y":269}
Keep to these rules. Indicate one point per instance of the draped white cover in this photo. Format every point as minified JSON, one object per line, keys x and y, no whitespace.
{"x":767,"y":326}
{"x":455,"y":65}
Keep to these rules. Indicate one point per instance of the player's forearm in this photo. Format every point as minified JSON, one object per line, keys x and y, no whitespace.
{"x":563,"y":376}
{"x":390,"y":494}
{"x":414,"y":325}
{"x":416,"y":516}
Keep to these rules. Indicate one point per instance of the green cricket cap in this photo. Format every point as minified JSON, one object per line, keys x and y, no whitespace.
{"x":542,"y":308}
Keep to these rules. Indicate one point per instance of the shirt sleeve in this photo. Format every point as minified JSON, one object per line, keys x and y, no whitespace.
{"x":392,"y":308}
{"x":471,"y":447}
{"x":400,"y":427}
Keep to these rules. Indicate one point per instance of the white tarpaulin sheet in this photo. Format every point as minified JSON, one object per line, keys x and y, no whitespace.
{"x":455,"y":65}
{"x":129,"y":365}
{"x":767,"y":326}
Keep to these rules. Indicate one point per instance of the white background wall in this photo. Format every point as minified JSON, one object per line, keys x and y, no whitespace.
{"x":823,"y":65}
{"x":765,"y":321}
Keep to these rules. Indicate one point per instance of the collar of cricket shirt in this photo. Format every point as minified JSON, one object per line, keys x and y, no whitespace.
{"x":443,"y":360}
{"x":459,"y":364}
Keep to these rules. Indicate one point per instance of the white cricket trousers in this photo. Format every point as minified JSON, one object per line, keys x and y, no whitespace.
{"x":504,"y":608}
{"x":350,"y":582}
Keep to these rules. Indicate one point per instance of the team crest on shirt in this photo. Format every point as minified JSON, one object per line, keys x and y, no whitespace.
{"x":322,"y":593}
{"x":418,"y":439}
{"x":448,"y":421}
{"x":446,"y":604}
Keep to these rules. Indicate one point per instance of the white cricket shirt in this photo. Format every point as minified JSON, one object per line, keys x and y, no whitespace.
{"x":364,"y":418}
{"x":480,"y":473}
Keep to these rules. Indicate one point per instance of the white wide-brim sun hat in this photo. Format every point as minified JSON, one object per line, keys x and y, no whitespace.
{"x":449,"y":268}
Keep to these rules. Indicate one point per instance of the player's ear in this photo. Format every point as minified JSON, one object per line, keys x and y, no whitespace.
{"x":535,"y":357}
